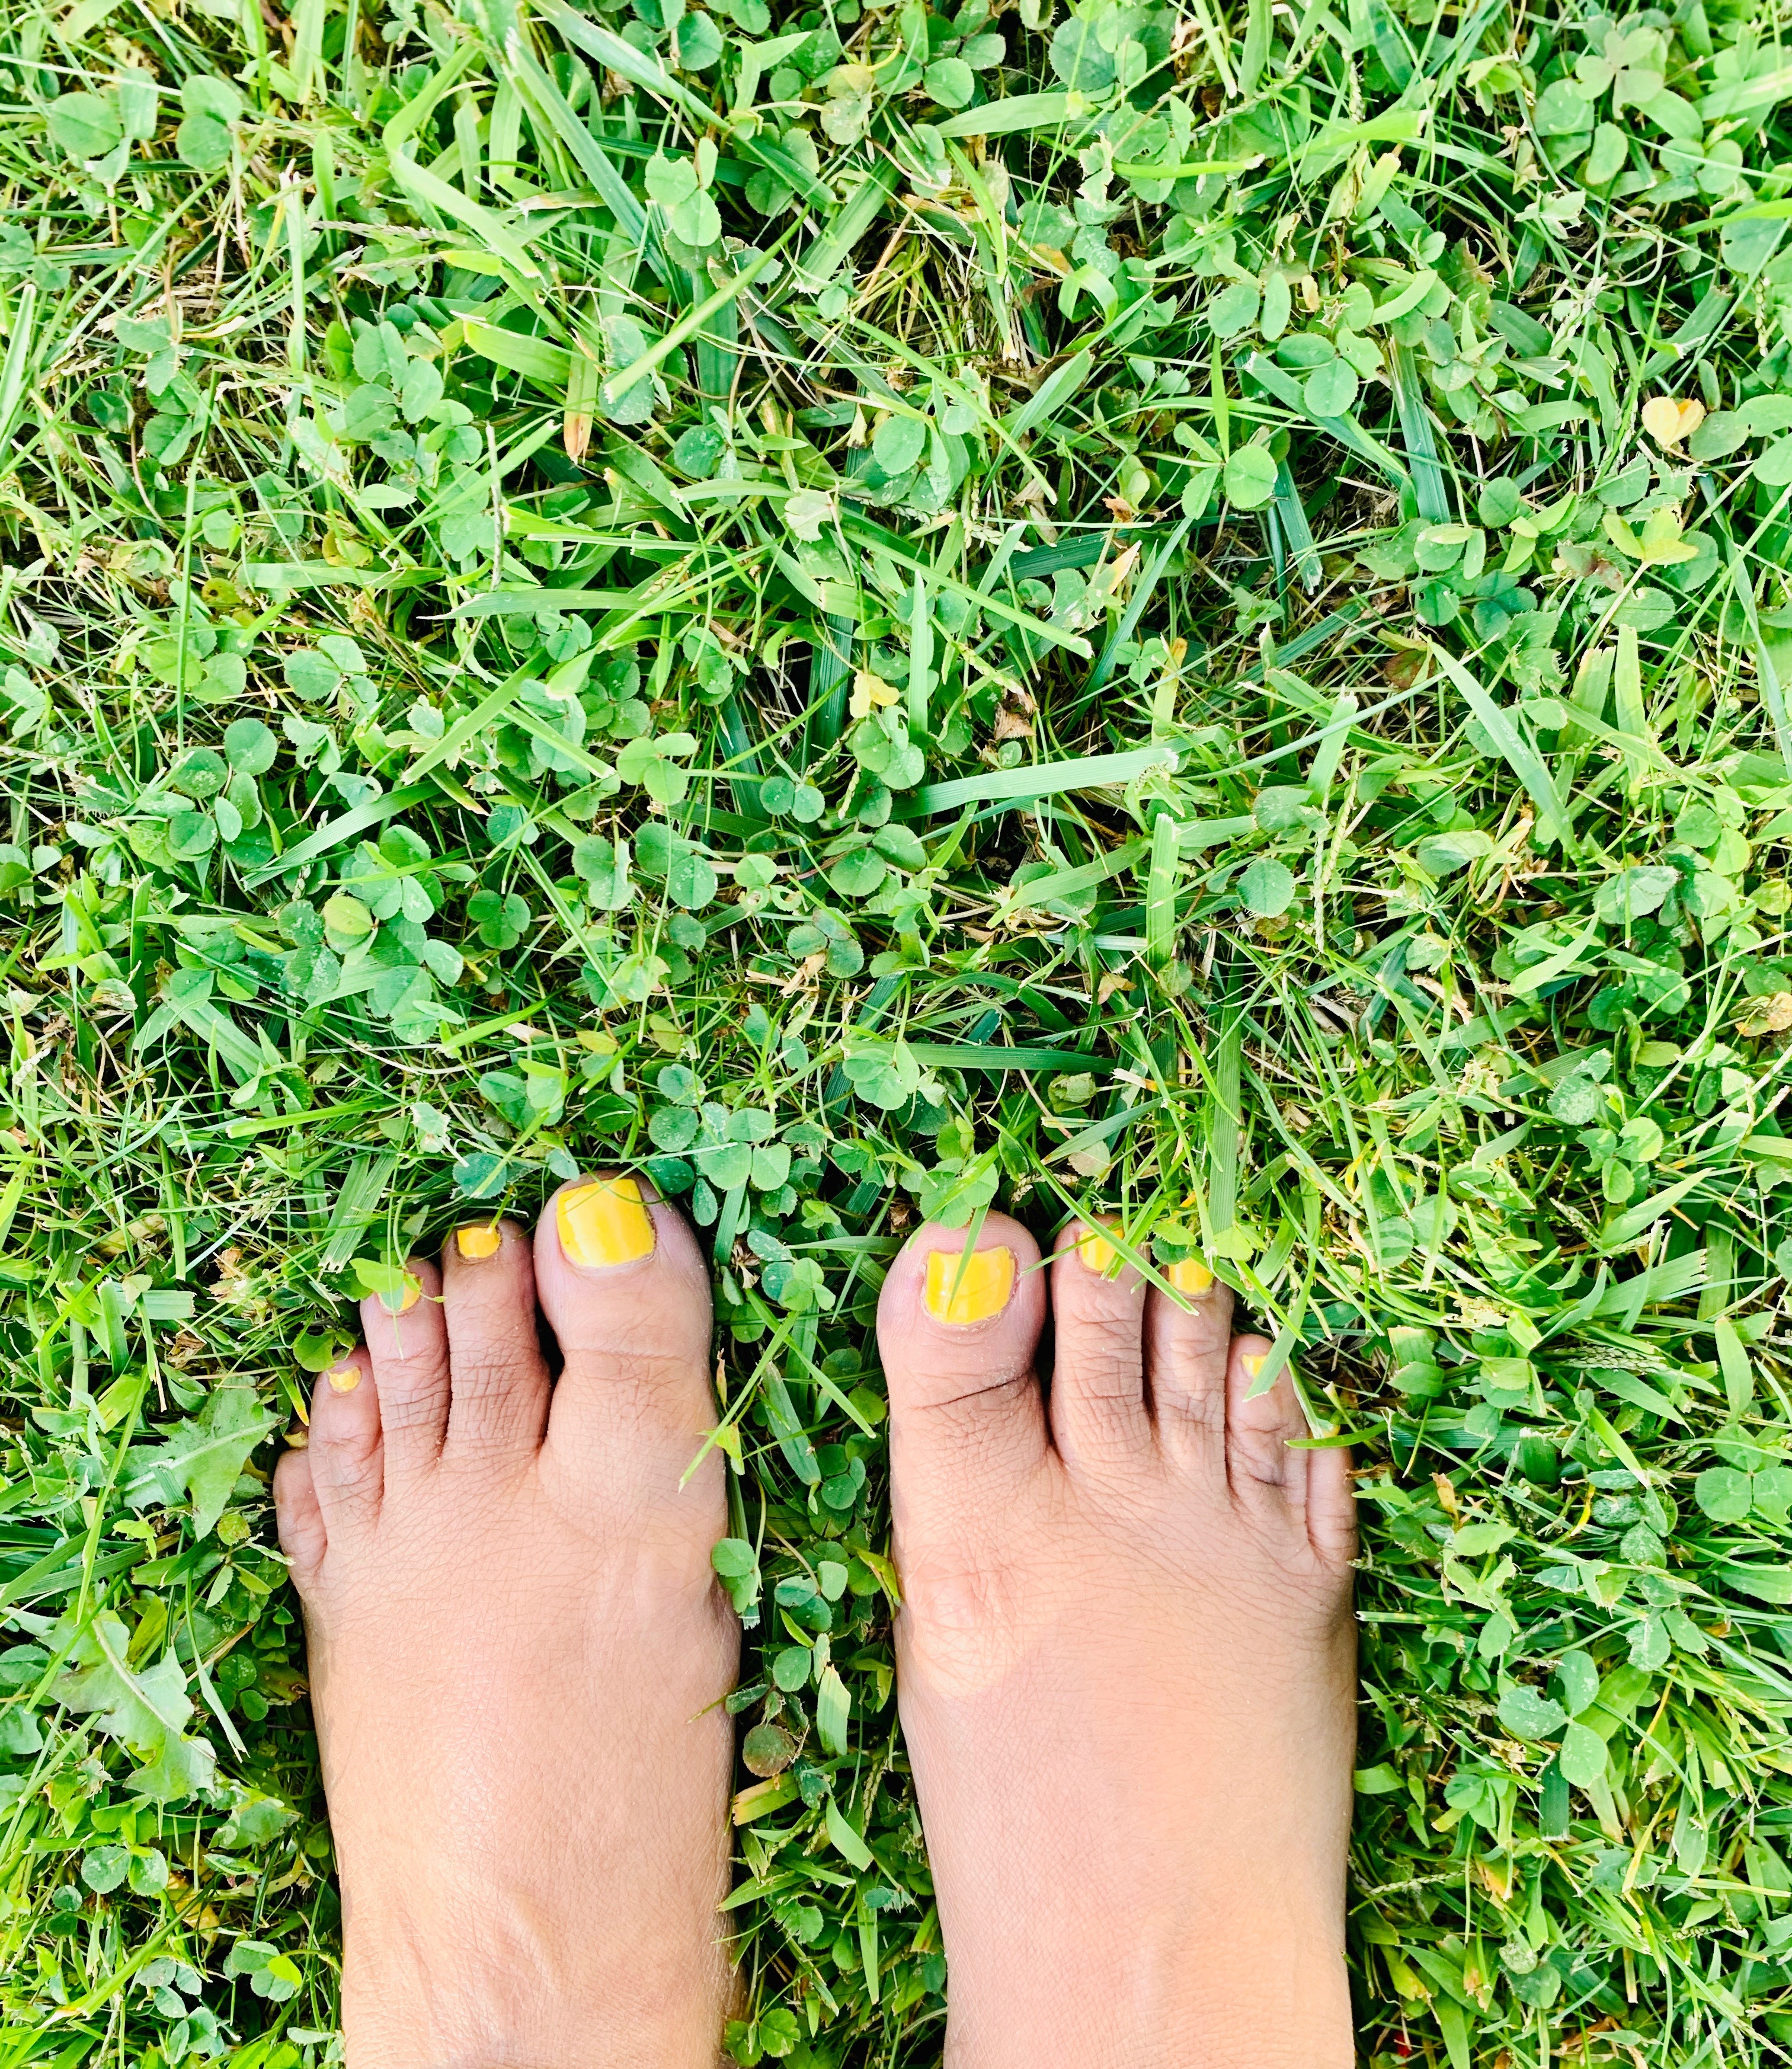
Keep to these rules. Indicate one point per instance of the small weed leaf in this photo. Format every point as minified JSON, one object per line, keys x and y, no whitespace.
{"x":1583,"y":1755}
{"x":104,"y":1869}
{"x":1723,"y":1493}
{"x":1528,"y":1715}
{"x":85,"y":125}
{"x":1268,"y":888}
{"x":1249,"y":476}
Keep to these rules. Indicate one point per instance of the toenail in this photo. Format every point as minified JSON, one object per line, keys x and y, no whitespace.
{"x":1189,"y":1275}
{"x":1254,"y":1362}
{"x":408,"y":1299}
{"x":475,"y":1243}
{"x":604,"y":1223}
{"x":1097,"y":1252}
{"x":344,"y":1378}
{"x":963,"y":1289}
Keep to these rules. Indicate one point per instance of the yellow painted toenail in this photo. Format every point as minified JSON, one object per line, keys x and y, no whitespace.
{"x":961,"y":1290}
{"x":475,"y":1243}
{"x":1189,"y":1275}
{"x":1097,"y":1252}
{"x":605,"y":1223}
{"x":1254,"y":1362}
{"x":344,"y":1379}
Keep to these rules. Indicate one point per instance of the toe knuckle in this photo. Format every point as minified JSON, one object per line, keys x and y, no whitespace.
{"x":484,"y":1373}
{"x":1111,"y":1333}
{"x":403,"y":1411}
{"x":1203,"y":1413}
{"x":964,"y":1405}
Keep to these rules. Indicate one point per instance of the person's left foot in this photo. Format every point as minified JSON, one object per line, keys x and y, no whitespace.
{"x":518,"y":1649}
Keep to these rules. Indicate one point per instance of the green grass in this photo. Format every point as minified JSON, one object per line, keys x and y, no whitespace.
{"x":576,"y":593}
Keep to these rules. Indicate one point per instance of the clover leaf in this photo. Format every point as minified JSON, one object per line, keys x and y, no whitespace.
{"x":652,"y":762}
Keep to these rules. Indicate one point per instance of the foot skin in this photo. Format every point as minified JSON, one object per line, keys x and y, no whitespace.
{"x":1125,"y":1665}
{"x":516,"y":1641}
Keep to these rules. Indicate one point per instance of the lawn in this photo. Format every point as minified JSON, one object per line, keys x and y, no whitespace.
{"x":875,"y":613}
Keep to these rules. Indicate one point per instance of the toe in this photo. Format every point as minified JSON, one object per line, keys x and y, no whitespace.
{"x":623,"y":1286}
{"x":407,"y":1341}
{"x":1188,"y":1334}
{"x":1098,"y":1405}
{"x":958,"y":1335}
{"x":347,"y":1456}
{"x":1331,"y":1507}
{"x":1261,"y":1423}
{"x":300,"y":1521}
{"x":498,"y":1394}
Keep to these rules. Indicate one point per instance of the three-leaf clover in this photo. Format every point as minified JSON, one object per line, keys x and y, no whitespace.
{"x":501,"y":918}
{"x":678,"y":185}
{"x":652,"y":761}
{"x":1629,"y":61}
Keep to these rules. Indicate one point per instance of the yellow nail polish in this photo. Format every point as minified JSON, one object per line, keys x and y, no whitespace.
{"x":475,"y":1243}
{"x":1254,"y":1362}
{"x":605,"y":1223}
{"x":1097,"y":1252}
{"x":344,"y":1378}
{"x":1189,"y":1275}
{"x":961,"y":1290}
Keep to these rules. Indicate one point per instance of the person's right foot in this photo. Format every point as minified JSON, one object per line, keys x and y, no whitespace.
{"x":1125,"y":1663}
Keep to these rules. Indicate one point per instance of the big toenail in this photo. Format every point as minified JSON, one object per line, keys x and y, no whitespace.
{"x":475,"y":1243}
{"x":344,"y":1379}
{"x":1096,"y":1252}
{"x":408,"y":1299}
{"x":963,"y":1289}
{"x":1189,"y":1275}
{"x":604,"y":1223}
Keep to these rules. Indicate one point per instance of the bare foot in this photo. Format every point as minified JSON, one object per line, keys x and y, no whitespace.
{"x":1125,"y":1666}
{"x":514,"y":1641}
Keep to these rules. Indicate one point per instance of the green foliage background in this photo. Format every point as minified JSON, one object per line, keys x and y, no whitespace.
{"x":876,"y":612}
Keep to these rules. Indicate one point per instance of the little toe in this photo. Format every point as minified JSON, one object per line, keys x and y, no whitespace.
{"x":1188,"y":1335}
{"x":1262,"y":1423}
{"x":623,"y":1286}
{"x":1098,"y":1403}
{"x":1331,"y":1507}
{"x":345,"y":1449}
{"x":407,"y":1341}
{"x":298,"y":1518}
{"x":498,"y":1406}
{"x":958,"y":1328}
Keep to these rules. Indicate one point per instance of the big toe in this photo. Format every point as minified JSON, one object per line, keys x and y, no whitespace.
{"x":958,"y":1325}
{"x":622,"y":1285}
